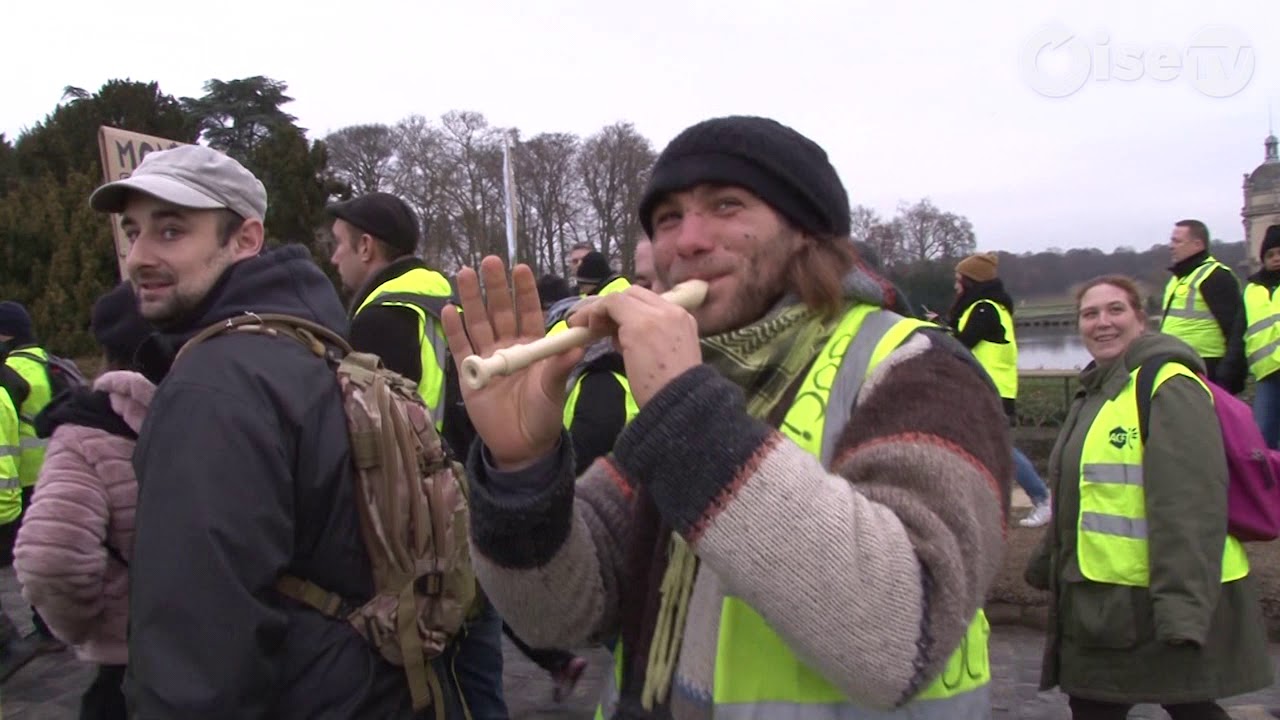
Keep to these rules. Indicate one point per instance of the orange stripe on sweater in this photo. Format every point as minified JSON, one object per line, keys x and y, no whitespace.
{"x":730,"y":491}
{"x":619,"y":480}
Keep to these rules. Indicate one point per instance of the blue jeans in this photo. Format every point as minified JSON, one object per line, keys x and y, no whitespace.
{"x":1025,"y":473}
{"x":479,"y":666}
{"x":1266,"y":408}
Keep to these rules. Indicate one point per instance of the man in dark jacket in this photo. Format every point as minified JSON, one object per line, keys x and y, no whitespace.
{"x":395,"y":309}
{"x":1201,"y":302}
{"x":243,"y":466}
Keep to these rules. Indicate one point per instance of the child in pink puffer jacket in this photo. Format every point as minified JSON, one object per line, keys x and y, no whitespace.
{"x":73,"y":548}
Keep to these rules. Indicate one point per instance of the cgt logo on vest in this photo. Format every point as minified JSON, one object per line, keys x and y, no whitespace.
{"x":1121,"y":437}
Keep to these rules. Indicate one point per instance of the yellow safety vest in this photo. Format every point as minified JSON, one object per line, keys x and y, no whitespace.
{"x":1262,"y":333}
{"x":409,"y":290}
{"x":571,"y":402}
{"x":36,"y":376}
{"x":617,"y":285}
{"x":1112,"y":526}
{"x":1187,"y":316}
{"x":756,"y":674}
{"x":757,"y":677}
{"x":10,"y":482}
{"x":1000,"y":361}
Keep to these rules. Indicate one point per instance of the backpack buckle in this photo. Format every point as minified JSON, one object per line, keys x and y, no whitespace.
{"x":429,"y":584}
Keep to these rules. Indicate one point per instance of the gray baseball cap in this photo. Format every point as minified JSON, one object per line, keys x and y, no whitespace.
{"x":190,"y":176}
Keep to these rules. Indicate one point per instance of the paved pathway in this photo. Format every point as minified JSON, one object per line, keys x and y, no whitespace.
{"x":49,"y":687}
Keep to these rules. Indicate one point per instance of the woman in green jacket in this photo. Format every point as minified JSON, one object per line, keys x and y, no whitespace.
{"x":1152,"y":601}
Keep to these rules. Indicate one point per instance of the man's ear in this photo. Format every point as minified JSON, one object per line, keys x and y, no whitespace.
{"x":365,"y":248}
{"x":249,"y":239}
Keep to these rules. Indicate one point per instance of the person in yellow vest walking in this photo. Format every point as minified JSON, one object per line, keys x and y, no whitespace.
{"x":395,"y":307}
{"x":1201,"y":303}
{"x":26,"y":378}
{"x":1152,"y":601}
{"x":804,"y":518}
{"x":15,"y":650}
{"x":982,"y":316}
{"x":1258,"y":330}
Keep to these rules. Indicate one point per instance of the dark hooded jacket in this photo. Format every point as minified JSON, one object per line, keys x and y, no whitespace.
{"x":244,"y":475}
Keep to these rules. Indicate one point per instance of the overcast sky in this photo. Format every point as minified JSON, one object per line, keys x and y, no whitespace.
{"x":1136,"y":115}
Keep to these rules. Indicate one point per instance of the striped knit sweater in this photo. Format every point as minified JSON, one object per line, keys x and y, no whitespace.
{"x":870,"y":571}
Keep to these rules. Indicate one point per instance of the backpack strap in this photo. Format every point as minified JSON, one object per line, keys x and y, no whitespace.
{"x":311,"y":334}
{"x":433,"y":305}
{"x":28,"y":356}
{"x":1146,"y":384}
{"x":308,"y":593}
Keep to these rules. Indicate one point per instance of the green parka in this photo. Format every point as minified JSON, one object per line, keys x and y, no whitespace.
{"x":1187,"y":637}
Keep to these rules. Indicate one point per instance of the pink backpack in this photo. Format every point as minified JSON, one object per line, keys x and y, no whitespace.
{"x":1253,"y":469}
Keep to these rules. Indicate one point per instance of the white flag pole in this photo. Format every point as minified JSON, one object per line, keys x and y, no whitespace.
{"x":509,"y":191}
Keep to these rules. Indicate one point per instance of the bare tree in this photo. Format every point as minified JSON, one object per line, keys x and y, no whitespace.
{"x":420,"y":176}
{"x":861,"y":220}
{"x":363,"y":156}
{"x":614,"y":164}
{"x":886,"y":243}
{"x":473,"y":191}
{"x":929,"y":233}
{"x":550,"y":191}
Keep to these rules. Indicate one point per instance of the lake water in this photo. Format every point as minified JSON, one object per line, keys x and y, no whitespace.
{"x":1051,"y":349}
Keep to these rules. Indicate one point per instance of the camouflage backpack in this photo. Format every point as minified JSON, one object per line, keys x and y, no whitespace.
{"x":413,"y":510}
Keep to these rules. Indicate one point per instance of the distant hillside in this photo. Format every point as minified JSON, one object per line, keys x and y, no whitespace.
{"x":1048,"y":277}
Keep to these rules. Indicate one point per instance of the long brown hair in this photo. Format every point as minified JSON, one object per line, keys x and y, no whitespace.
{"x":816,"y":273}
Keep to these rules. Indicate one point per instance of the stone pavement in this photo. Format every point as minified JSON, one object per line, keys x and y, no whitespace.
{"x":49,"y":687}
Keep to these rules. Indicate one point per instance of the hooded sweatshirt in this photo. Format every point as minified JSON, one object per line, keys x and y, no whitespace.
{"x":84,"y":504}
{"x":244,"y":475}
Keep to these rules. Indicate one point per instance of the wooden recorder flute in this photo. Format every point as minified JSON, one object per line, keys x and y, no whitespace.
{"x":477,"y":372}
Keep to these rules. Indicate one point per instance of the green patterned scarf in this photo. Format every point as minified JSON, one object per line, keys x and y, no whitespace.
{"x":764,"y":358}
{"x":767,"y":357}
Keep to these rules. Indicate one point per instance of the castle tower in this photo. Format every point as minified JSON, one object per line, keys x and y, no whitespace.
{"x":1261,"y":199}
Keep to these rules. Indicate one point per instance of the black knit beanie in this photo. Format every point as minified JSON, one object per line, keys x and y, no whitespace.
{"x":787,"y":170}
{"x":594,"y":268}
{"x":118,"y":326}
{"x":1270,"y":240}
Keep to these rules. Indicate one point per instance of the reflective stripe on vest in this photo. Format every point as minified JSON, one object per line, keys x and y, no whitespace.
{"x":756,"y":674}
{"x":10,"y":481}
{"x":999,"y":360}
{"x":37,"y":378}
{"x":1112,"y":526}
{"x":1187,"y":316}
{"x":432,"y":344}
{"x":1262,"y":333}
{"x":571,"y":402}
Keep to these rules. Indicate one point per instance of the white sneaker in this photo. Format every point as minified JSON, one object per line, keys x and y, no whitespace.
{"x":1040,"y":515}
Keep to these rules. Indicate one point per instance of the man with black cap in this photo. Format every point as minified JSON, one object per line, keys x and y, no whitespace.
{"x":243,"y":464}
{"x":395,"y":308}
{"x":1256,"y":338}
{"x":395,"y":298}
{"x":805,"y":516}
{"x":25,"y":375}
